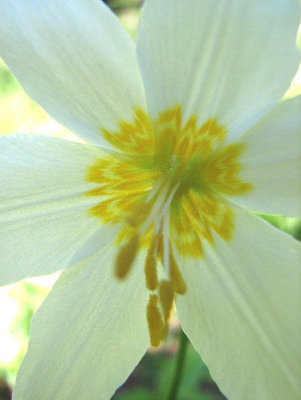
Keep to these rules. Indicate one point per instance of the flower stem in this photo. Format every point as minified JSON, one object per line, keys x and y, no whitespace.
{"x":175,"y":385}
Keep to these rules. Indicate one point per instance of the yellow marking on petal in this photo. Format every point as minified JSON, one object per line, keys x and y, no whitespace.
{"x":155,"y":321}
{"x":126,"y":257}
{"x":101,"y":191}
{"x":167,"y":294}
{"x":221,"y":171}
{"x":136,"y":137}
{"x":166,"y":188}
{"x":187,"y":155}
{"x":226,"y":224}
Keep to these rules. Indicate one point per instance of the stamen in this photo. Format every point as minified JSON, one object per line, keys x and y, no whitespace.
{"x":160,"y":246}
{"x":176,"y":276}
{"x":163,"y":219}
{"x":155,"y":189}
{"x":164,"y":204}
{"x":169,"y":199}
{"x":155,"y":321}
{"x":153,"y":216}
{"x":141,"y":213}
{"x":126,"y":257}
{"x":166,"y":244}
{"x":166,"y":293}
{"x":150,"y":267}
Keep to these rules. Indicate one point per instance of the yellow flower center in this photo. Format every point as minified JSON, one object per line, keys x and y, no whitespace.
{"x":165,"y":189}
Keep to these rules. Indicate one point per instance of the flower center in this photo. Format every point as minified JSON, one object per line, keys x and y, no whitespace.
{"x":166,"y":191}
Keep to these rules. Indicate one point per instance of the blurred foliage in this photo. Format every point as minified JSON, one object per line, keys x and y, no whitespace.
{"x":152,"y":378}
{"x":29,"y":297}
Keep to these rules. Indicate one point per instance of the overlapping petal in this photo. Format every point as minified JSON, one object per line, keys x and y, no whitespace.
{"x":217,"y":58}
{"x":271,"y":161}
{"x":74,"y":59}
{"x":242,"y":311}
{"x":87,"y":336}
{"x":223,"y":59}
{"x":44,"y":212}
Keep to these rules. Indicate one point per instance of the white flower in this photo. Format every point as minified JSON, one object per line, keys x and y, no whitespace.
{"x":187,"y":132}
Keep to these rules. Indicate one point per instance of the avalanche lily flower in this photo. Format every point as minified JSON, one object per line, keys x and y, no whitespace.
{"x":186,"y":132}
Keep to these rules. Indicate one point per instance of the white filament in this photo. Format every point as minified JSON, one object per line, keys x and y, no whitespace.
{"x":166,"y":243}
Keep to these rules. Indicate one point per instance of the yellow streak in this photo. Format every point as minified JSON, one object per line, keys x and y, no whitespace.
{"x":135,"y":137}
{"x":186,"y":153}
{"x":194,"y":159}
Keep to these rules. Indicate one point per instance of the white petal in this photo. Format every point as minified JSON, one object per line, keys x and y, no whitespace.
{"x":87,"y":336}
{"x":242,"y":311}
{"x":44,"y":213}
{"x":222,"y":58}
{"x":75,"y":59}
{"x":272,"y":161}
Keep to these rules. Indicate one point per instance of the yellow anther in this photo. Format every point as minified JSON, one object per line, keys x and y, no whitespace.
{"x":126,"y":257}
{"x":150,"y":268}
{"x":155,"y":321}
{"x":166,"y":293}
{"x":140,"y":215}
{"x":160,"y":250}
{"x":176,"y":276}
{"x":165,"y":330}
